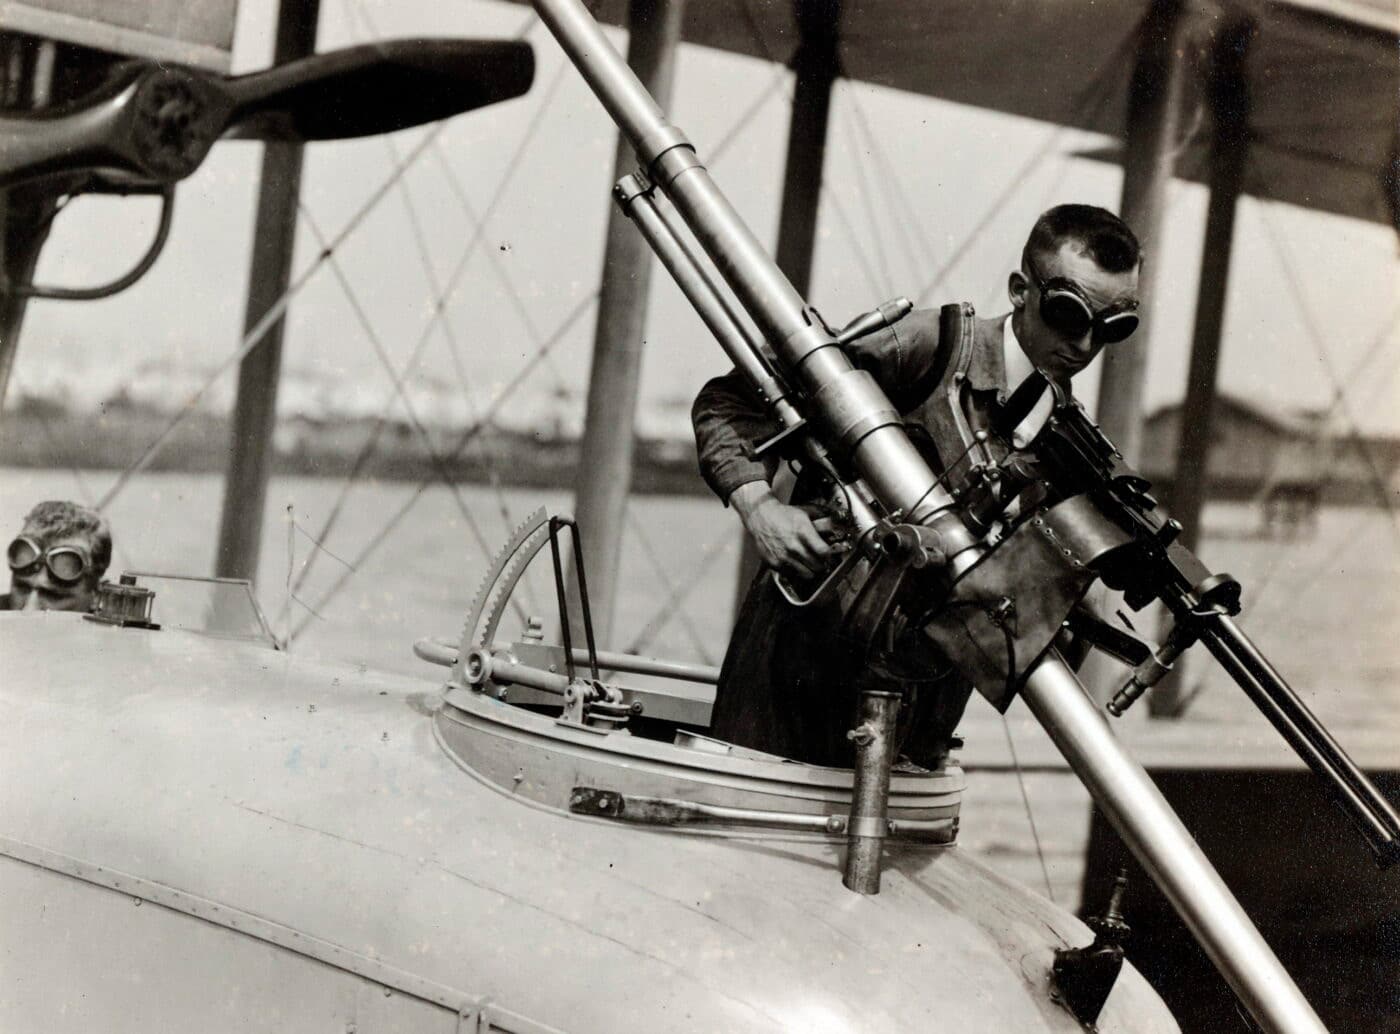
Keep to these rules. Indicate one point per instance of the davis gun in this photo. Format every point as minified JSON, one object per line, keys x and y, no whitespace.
{"x":951,"y":564}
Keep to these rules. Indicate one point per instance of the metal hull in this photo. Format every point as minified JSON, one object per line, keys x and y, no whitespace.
{"x":200,"y":834}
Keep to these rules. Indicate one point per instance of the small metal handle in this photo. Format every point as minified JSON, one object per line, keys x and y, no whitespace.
{"x":823,"y":591}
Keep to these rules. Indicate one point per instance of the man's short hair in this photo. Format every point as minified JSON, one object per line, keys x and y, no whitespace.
{"x":1096,"y":231}
{"x":58,"y":518}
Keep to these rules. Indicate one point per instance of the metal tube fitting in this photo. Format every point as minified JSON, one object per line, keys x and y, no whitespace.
{"x":874,"y":738}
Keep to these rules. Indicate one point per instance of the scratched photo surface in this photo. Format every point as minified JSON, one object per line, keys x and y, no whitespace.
{"x":438,"y":337}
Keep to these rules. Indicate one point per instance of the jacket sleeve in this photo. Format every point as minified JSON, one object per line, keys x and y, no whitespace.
{"x":727,"y":417}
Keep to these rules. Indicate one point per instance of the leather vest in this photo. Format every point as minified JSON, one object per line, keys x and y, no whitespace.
{"x":964,"y":385}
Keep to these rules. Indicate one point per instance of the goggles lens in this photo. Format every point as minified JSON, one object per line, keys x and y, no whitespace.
{"x":1115,"y":328}
{"x":1065,"y":311}
{"x":66,"y":564}
{"x":23,"y":552}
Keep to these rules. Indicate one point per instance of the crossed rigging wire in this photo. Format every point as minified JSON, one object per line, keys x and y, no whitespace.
{"x":439,"y":319}
{"x":1339,"y":403}
{"x":672,"y":606}
{"x":254,"y":336}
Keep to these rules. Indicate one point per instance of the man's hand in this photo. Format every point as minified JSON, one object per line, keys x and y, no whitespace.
{"x":786,"y":537}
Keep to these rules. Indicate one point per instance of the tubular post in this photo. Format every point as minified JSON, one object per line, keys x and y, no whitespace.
{"x":874,"y":737}
{"x":1154,"y":115}
{"x":1166,"y":849}
{"x":603,"y":479}
{"x":259,"y":373}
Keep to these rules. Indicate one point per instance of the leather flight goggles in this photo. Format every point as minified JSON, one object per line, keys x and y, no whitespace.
{"x":1065,"y":309}
{"x":66,"y":564}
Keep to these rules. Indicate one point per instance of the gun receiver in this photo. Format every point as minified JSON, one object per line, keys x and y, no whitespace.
{"x":1081,"y":460}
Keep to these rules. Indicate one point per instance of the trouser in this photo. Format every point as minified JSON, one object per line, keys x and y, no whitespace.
{"x":789,"y":687}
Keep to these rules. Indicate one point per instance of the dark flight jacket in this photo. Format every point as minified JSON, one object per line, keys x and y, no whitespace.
{"x":776,"y":692}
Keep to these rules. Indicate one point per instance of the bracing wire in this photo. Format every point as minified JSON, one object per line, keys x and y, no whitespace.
{"x":290,"y":597}
{"x":454,"y":281}
{"x":1026,"y":802}
{"x":454,"y":347}
{"x":400,"y":388}
{"x":713,"y":550}
{"x":1315,"y":339}
{"x":1095,"y":93}
{"x":462,"y":442}
{"x":917,"y":250}
{"x":858,"y":251}
{"x":253,"y":338}
{"x":673,"y":592}
{"x":867,"y":196}
{"x":455,"y":183}
{"x":748,"y":114}
{"x":285,"y":618}
{"x":439,"y":464}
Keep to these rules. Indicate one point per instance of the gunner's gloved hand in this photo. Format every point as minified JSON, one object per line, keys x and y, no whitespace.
{"x":785,"y":535}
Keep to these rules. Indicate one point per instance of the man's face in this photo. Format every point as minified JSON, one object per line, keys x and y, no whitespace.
{"x":35,"y":587}
{"x":1056,"y":353}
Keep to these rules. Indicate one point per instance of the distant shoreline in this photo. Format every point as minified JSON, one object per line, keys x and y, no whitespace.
{"x":42,"y":435}
{"x":113,"y":439}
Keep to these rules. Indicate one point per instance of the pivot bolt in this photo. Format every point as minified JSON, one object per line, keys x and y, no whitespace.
{"x":862,"y":735}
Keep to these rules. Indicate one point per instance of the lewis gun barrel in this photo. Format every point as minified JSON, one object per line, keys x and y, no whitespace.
{"x":928,"y":553}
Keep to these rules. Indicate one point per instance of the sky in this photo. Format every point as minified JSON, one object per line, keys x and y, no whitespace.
{"x":910,"y":181}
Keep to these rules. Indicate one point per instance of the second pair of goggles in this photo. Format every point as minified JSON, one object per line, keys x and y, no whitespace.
{"x":66,"y":564}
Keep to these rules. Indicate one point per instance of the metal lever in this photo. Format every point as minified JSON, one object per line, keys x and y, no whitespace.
{"x":823,"y":591}
{"x":555,"y":523}
{"x":1154,"y":669}
{"x":886,"y":315}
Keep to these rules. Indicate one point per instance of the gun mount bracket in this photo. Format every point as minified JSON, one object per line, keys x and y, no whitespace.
{"x":1085,"y":977}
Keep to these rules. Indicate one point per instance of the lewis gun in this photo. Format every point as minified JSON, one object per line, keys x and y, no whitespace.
{"x":996,"y":592}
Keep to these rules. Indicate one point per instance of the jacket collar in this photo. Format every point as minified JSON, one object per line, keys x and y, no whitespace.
{"x":986,"y":369}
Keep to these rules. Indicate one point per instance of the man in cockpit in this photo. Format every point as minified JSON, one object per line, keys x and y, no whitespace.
{"x":1074,"y":293}
{"x":58,"y":558}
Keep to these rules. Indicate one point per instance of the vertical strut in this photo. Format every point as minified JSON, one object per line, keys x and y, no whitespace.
{"x":604,"y":476}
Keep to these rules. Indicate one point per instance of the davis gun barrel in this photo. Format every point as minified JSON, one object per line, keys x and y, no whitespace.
{"x":1352,"y":789}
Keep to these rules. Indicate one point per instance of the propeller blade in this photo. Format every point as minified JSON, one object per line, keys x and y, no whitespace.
{"x":376,"y":88}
